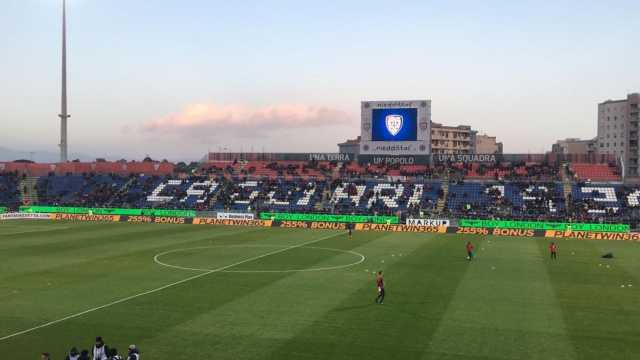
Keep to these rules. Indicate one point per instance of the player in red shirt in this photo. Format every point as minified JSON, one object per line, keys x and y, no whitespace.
{"x":553,"y":249}
{"x":380,"y":285}
{"x":469,"y":251}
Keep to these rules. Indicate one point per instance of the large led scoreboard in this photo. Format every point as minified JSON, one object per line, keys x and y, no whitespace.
{"x":396,"y":127}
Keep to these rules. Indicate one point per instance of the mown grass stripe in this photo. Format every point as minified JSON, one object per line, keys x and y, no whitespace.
{"x":119,"y":301}
{"x":504,"y":307}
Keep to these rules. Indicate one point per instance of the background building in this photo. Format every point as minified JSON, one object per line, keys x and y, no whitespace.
{"x":452,"y":139}
{"x":486,"y":144}
{"x":618,"y":131}
{"x":575,"y":146}
{"x":459,"y":139}
{"x":351,"y":146}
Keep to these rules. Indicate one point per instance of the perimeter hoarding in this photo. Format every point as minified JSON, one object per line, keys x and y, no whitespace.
{"x":232,"y":222}
{"x":591,"y":235}
{"x":395,"y":127}
{"x":107,"y":211}
{"x":428,"y":222}
{"x":24,"y":216}
{"x":329,"y":218}
{"x":84,"y":217}
{"x":401,"y":228}
{"x":580,"y":235}
{"x":542,"y":225}
{"x":234,"y":216}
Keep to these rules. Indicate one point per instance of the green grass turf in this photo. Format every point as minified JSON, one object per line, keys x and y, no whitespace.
{"x":511,"y":303}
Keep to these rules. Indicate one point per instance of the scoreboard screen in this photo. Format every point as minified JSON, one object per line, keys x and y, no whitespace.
{"x":394,"y":124}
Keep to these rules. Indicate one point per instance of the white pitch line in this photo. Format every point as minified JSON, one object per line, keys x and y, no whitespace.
{"x":156,"y":259}
{"x":161,"y":288}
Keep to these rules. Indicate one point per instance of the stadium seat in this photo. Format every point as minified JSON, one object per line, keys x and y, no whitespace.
{"x":594,"y":172}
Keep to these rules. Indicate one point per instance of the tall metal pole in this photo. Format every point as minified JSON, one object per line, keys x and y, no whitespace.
{"x":63,"y":105}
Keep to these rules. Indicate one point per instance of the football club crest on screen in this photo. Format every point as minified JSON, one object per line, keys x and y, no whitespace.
{"x":393,"y":123}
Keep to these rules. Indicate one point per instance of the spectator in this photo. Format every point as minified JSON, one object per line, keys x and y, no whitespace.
{"x":100,"y":350}
{"x":113,"y":354}
{"x":73,"y":354}
{"x":133,"y":353}
{"x":84,"y":355}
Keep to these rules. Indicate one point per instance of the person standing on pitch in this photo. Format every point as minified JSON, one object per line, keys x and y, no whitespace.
{"x":469,"y":251}
{"x":133,"y":353}
{"x":553,"y":250}
{"x":100,"y":350}
{"x":380,"y":285}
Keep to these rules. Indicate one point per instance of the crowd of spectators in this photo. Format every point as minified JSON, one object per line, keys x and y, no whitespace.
{"x":263,"y":194}
{"x":283,"y":185}
{"x":353,"y":170}
{"x":266,"y":170}
{"x":9,"y":191}
{"x":511,"y":171}
{"x":535,"y":200}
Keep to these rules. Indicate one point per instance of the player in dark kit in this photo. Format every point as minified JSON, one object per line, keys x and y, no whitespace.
{"x":380,"y":285}
{"x":350,"y":227}
{"x":469,"y":251}
{"x":553,"y":250}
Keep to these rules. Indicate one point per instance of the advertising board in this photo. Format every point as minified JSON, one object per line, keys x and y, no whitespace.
{"x":25,"y":216}
{"x":543,"y":225}
{"x":329,"y":218}
{"x":234,"y":216}
{"x":428,"y":222}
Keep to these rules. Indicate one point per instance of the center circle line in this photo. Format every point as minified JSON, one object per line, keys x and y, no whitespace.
{"x":157,"y":257}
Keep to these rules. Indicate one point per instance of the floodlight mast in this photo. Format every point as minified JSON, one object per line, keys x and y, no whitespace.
{"x":64,"y":115}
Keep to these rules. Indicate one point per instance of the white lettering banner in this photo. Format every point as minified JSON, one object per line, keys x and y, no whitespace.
{"x":428,"y":222}
{"x":234,"y":216}
{"x":24,"y":216}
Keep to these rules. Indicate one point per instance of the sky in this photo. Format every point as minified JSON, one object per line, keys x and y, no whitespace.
{"x":173,"y":79}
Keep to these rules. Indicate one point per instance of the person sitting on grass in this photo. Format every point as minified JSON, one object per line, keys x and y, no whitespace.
{"x":84,"y":355}
{"x":133,"y":353}
{"x":73,"y":354}
{"x":113,"y":354}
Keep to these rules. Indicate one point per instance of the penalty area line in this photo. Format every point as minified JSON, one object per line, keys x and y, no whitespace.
{"x":220,"y":269}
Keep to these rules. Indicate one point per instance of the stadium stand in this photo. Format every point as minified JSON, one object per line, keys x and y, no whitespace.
{"x":270,"y":170}
{"x":507,"y":171}
{"x":513,"y":199}
{"x":9,"y":192}
{"x":519,"y":190}
{"x":594,"y":172}
{"x":99,"y":167}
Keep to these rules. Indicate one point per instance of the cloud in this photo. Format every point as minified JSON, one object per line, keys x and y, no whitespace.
{"x":246,"y":120}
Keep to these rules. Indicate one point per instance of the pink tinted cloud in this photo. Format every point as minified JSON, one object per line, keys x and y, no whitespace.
{"x":229,"y":118}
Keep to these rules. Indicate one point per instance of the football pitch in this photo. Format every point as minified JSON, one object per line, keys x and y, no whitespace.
{"x":208,"y":292}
